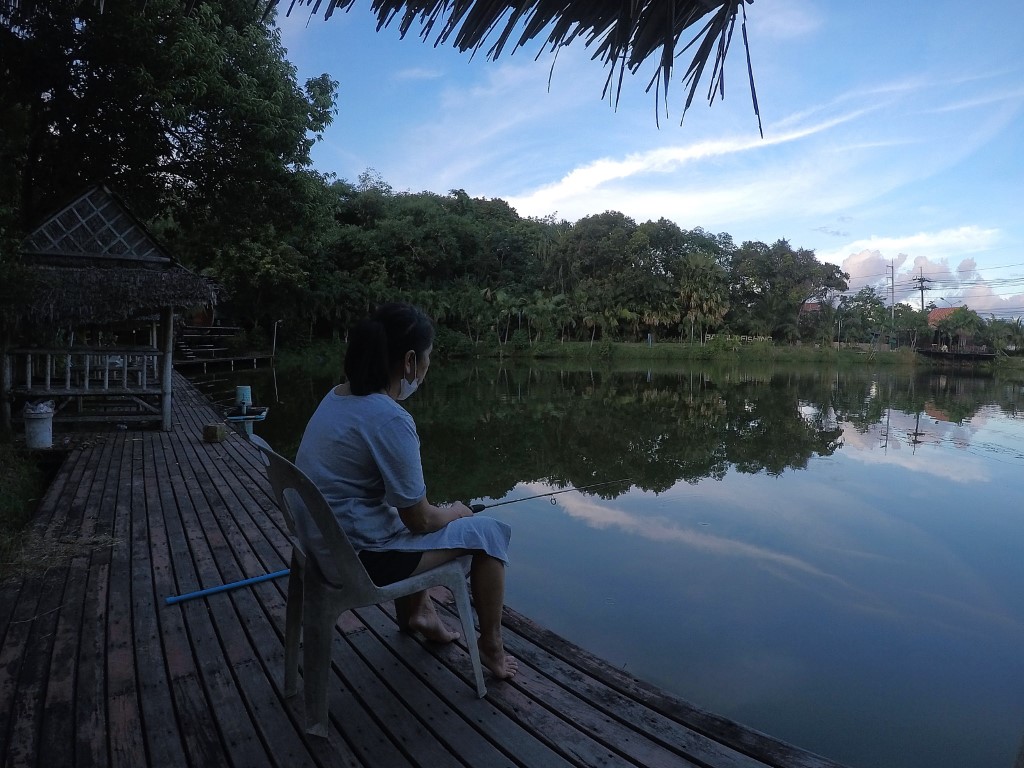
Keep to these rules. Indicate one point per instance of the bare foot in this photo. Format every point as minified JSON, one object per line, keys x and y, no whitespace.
{"x":432,"y":628}
{"x":416,"y":613}
{"x":498,"y":663}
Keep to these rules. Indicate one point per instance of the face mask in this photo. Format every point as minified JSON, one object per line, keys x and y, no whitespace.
{"x":406,"y":388}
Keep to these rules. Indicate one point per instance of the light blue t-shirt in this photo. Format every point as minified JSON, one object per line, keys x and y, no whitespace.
{"x":363,"y":453}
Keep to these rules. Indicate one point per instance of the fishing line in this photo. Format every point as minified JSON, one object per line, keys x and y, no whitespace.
{"x":482,"y":507}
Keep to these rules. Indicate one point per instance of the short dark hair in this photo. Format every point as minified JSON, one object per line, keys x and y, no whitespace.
{"x":377,"y":345}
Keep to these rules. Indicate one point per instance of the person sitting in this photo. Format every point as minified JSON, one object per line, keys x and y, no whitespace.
{"x":362,"y":451}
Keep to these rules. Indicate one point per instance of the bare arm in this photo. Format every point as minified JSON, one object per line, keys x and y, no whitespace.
{"x":424,"y":517}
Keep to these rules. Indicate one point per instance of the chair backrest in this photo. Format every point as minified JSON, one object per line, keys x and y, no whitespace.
{"x":307,"y":511}
{"x":265,"y":451}
{"x":263,"y":445}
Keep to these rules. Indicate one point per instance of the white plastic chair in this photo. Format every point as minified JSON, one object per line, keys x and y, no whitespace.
{"x":325,"y":601}
{"x":296,"y":577}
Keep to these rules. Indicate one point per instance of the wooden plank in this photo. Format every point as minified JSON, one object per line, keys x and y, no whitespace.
{"x":54,"y":503}
{"x":153,"y":689}
{"x":647,"y":735}
{"x":90,"y":704}
{"x":124,"y":715}
{"x":56,"y":626}
{"x":51,"y":504}
{"x":25,"y":663}
{"x":191,"y":560}
{"x":10,"y":593}
{"x":453,"y":733}
{"x":621,"y":721}
{"x":194,"y":548}
{"x":90,"y":680}
{"x":173,"y":574}
{"x":247,"y":667}
{"x":563,"y":725}
{"x":769,"y":750}
{"x":457,"y":691}
{"x":32,"y":672}
{"x":402,"y":733}
{"x":58,"y":728}
{"x":20,"y":599}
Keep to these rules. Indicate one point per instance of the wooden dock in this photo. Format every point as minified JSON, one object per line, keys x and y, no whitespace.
{"x":95,"y":669}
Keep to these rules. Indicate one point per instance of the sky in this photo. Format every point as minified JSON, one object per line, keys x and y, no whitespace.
{"x":892,"y":136}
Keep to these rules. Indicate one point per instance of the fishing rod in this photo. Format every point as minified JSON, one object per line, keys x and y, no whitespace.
{"x":172,"y":600}
{"x":482,"y":507}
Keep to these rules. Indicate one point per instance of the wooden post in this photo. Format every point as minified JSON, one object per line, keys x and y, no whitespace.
{"x":8,"y":385}
{"x":167,"y":348}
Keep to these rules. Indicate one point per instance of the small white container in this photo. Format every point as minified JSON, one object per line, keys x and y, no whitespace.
{"x":39,"y":430}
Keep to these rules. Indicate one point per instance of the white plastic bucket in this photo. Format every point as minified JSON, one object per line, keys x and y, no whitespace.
{"x":243,"y":395}
{"x":39,"y":430}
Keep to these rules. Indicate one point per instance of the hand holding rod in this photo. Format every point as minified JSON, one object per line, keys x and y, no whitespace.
{"x":482,"y":507}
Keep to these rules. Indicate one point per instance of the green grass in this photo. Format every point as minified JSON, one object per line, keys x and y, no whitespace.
{"x":22,"y":483}
{"x":519,"y":348}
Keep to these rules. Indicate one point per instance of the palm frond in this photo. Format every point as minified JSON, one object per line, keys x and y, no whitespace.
{"x":623,"y":33}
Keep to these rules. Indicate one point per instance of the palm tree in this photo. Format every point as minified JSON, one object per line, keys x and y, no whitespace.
{"x":702,"y":292}
{"x":1017,"y":335}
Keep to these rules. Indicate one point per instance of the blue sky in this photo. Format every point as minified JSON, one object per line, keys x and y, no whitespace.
{"x":892,"y":136}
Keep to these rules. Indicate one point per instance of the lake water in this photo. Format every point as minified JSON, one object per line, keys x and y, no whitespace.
{"x":834,"y":558}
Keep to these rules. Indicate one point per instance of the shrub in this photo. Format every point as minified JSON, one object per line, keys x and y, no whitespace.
{"x":451,"y":344}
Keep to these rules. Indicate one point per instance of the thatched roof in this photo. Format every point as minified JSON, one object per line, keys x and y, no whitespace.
{"x":94,"y":226}
{"x":624,"y":33}
{"x":72,"y":296}
{"x":91,"y":262}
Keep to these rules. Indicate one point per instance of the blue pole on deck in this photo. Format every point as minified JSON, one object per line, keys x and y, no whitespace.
{"x":225,"y":587}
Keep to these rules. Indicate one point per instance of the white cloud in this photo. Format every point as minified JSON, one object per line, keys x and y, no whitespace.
{"x":773,"y":21}
{"x":418,"y":73}
{"x":1013,"y":96}
{"x":944,"y":244}
{"x":659,"y":173}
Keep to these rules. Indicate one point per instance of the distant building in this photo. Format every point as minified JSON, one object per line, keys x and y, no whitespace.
{"x":939,"y":314}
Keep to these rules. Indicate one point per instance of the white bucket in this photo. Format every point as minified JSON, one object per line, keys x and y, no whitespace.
{"x":39,"y":430}
{"x":243,"y":395}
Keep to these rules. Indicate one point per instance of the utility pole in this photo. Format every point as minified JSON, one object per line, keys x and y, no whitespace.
{"x":892,"y":298}
{"x":921,"y":280}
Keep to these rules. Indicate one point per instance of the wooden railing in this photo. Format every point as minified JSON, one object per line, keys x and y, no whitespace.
{"x":82,"y":371}
{"x":112,"y":384}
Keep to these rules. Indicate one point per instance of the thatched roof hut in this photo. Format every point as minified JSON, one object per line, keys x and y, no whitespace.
{"x":88,"y":265}
{"x":93,"y":263}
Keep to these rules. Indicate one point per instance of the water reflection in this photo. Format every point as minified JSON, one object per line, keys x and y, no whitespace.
{"x":487,"y":429}
{"x":661,"y":529}
{"x":831,"y":557}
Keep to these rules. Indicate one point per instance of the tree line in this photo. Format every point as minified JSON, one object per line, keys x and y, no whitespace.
{"x":198,"y":121}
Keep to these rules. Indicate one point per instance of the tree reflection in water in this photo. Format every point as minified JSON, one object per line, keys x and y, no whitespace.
{"x":487,"y":427}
